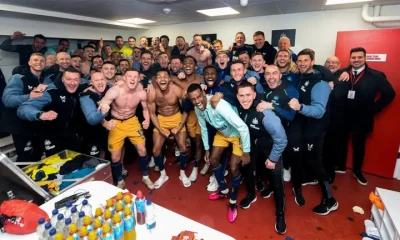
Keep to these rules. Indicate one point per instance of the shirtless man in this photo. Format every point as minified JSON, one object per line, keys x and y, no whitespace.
{"x":124,"y":98}
{"x":88,"y":53}
{"x":203,"y":58}
{"x":184,"y":79}
{"x":169,"y":120}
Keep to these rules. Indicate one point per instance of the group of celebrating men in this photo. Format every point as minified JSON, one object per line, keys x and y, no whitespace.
{"x":272,"y":115}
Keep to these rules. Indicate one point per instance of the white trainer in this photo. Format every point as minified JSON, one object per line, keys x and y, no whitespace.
{"x":121,"y":184}
{"x":152,"y":163}
{"x":160,"y":181}
{"x":287,"y":175}
{"x":193,"y":175}
{"x":205,"y":168}
{"x":177,"y":152}
{"x":185,"y":180}
{"x":213,"y":186}
{"x":146,"y":180}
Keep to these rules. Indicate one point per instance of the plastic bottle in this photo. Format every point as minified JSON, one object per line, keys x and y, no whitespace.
{"x":107,"y":233}
{"x":83,"y":233}
{"x":80,"y":219}
{"x":74,"y":215}
{"x":140,"y":203}
{"x":40,"y":228}
{"x":129,"y":224}
{"x":120,"y":210}
{"x":99,"y":214}
{"x":87,"y":209}
{"x":68,"y":208}
{"x":70,"y":238}
{"x":52,"y":233}
{"x":60,"y":223}
{"x":98,"y":227}
{"x":73,"y":231}
{"x":47,"y":228}
{"x":150,"y":215}
{"x":59,"y":236}
{"x":129,"y":203}
{"x":110,"y":205}
{"x":87,"y":222}
{"x":108,"y":217}
{"x":120,"y":198}
{"x":93,"y":236}
{"x":53,"y":219}
{"x":65,"y":231}
{"x":118,"y":227}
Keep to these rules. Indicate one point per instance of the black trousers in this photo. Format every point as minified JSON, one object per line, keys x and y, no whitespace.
{"x":94,"y":142}
{"x":56,"y":143}
{"x":260,"y":150}
{"x":28,"y":148}
{"x":293,"y":153}
{"x":358,"y":139}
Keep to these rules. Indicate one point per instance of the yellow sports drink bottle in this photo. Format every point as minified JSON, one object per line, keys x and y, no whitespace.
{"x":129,"y":225}
{"x":118,"y":227}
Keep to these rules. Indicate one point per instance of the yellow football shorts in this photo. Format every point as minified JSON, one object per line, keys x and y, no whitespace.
{"x":222,"y":141}
{"x":192,"y":124}
{"x":170,"y":122}
{"x":129,"y":128}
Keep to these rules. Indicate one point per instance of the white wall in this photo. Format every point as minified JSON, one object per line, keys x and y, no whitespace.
{"x":316,"y":30}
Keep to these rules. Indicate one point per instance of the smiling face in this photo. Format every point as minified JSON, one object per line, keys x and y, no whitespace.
{"x":63,"y":46}
{"x":123,"y":66}
{"x":305,"y":64}
{"x":165,"y":42}
{"x":162,"y":80}
{"x":180,"y":42}
{"x":163,"y":60}
{"x":76,"y":63}
{"x":210,"y":76}
{"x":246,"y":96}
{"x":146,"y":61}
{"x":198,"y":99}
{"x":115,"y":58}
{"x":136,"y":54}
{"x":237,"y":71}
{"x":357,"y":59}
{"x":283,"y":59}
{"x":284,"y":43}
{"x":245,"y":59}
{"x":109,"y":71}
{"x":119,"y":42}
{"x":132,"y":42}
{"x":259,"y":41}
{"x":189,"y":66}
{"x":88,"y":53}
{"x":332,"y":63}
{"x":99,"y":82}
{"x":257,"y":62}
{"x":240,"y":40}
{"x":143,"y":42}
{"x":63,"y":60}
{"x":217,"y":46}
{"x":37,"y":63}
{"x":176,"y":65}
{"x":51,"y":60}
{"x":107,"y":50}
{"x":222,"y":61}
{"x":272,"y":76}
{"x":132,"y":79}
{"x":71,"y":81}
{"x":97,"y":63}
{"x":39,"y":44}
{"x":155,"y":42}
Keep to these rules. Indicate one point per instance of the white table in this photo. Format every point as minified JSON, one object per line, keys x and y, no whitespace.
{"x":168,"y":223}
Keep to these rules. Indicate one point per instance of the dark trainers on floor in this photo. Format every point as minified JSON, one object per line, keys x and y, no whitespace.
{"x":280,"y":224}
{"x":360,"y":178}
{"x":259,"y":186}
{"x":309,"y":182}
{"x":340,"y":170}
{"x":298,"y":197}
{"x":326,"y":206}
{"x":266,"y":193}
{"x":247,"y":201}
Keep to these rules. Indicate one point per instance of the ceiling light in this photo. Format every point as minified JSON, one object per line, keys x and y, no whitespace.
{"x":218,"y":11}
{"x":136,"y":21}
{"x":334,"y":2}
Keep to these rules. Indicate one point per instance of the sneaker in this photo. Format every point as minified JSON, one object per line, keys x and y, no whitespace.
{"x":121,"y":184}
{"x":286,"y":175}
{"x":308,"y":182}
{"x":148,"y":182}
{"x":213,"y":186}
{"x":177,"y":152}
{"x":226,"y":173}
{"x":232,"y":213}
{"x":212,"y":178}
{"x":266,"y":193}
{"x":340,"y":170}
{"x":260,"y":186}
{"x":217,"y":196}
{"x":326,"y":206}
{"x":205,"y":168}
{"x":193,"y":175}
{"x":152,"y":163}
{"x":185,"y":180}
{"x":280,"y":224}
{"x":298,"y":197}
{"x":247,"y":201}
{"x":156,"y":168}
{"x":360,"y":178}
{"x":124,"y":172}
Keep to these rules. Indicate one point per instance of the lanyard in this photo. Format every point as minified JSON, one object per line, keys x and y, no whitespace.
{"x":354,"y":81}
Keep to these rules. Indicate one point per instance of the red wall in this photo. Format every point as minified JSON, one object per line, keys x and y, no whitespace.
{"x":383,"y":144}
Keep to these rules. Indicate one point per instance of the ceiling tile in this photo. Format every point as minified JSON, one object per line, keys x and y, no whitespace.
{"x":294,"y":6}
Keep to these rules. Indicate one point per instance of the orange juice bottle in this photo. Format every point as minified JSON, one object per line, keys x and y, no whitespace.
{"x":129,"y":225}
{"x":83,"y":233}
{"x":118,"y":227}
{"x":93,"y":236}
{"x":87,"y":222}
{"x":98,"y":227}
{"x":73,"y":231}
{"x":107,"y":233}
{"x":107,"y":217}
{"x":120,"y":210}
{"x":110,"y":205}
{"x":129,"y":203}
{"x":120,"y":198}
{"x":99,"y":214}
{"x":59,"y":236}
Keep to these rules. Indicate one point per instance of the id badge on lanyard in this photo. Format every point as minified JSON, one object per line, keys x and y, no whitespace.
{"x":352,"y":94}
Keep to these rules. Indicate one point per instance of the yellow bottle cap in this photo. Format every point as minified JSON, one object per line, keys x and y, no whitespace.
{"x":59,"y":236}
{"x":92,"y":235}
{"x":127,"y":211}
{"x":108,"y":214}
{"x":106,"y":228}
{"x":109,"y":202}
{"x":72,"y":228}
{"x":119,"y":206}
{"x":87,"y":220}
{"x":70,"y":238}
{"x":116,"y":218}
{"x":128,"y":199}
{"x":119,"y":195}
{"x":98,"y":212}
{"x":83,"y":231}
{"x":97,"y":223}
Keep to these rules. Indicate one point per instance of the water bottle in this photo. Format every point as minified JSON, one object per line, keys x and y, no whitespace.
{"x":87,"y":222}
{"x":68,"y":208}
{"x":107,"y":233}
{"x":40,"y":228}
{"x":47,"y":228}
{"x":99,"y":214}
{"x":52,"y":233}
{"x":120,"y":199}
{"x":80,"y":219}
{"x":140,"y":203}
{"x":83,"y":232}
{"x":129,"y":203}
{"x":120,"y":209}
{"x":74,"y":215}
{"x":108,"y":217}
{"x":60,"y":223}
{"x":129,"y":224}
{"x":53,"y":219}
{"x":110,"y":205}
{"x":98,"y":227}
{"x":73,"y":231}
{"x":118,"y":227}
{"x":87,"y":208}
{"x":65,"y":231}
{"x":150,"y":216}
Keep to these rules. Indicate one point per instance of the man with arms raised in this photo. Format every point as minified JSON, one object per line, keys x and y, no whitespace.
{"x":230,"y":130}
{"x":166,"y":98}
{"x":124,"y":98}
{"x":203,"y":58}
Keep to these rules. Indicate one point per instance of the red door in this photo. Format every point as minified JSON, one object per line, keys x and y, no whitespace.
{"x":383,"y":144}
